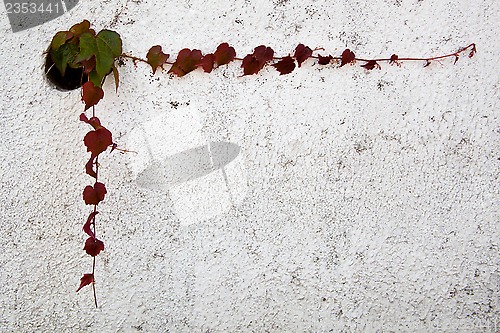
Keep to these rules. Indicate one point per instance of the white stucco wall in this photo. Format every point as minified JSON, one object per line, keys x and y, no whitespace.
{"x":358,"y":202}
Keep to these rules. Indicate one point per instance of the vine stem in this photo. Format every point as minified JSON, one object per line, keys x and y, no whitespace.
{"x":93,"y":283}
{"x":136,"y":59}
{"x":94,"y":220}
{"x":471,"y":47}
{"x":93,"y":258}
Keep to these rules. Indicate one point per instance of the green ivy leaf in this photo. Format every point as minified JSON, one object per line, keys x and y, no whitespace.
{"x":106,"y":46}
{"x":59,"y":39}
{"x":88,"y":47}
{"x":109,"y":46}
{"x":63,"y":56}
{"x":96,"y":78}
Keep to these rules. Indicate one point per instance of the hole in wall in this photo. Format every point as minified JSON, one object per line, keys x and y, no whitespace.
{"x":73,"y":78}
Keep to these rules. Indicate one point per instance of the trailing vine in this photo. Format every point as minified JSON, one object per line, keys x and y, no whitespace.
{"x":94,"y":56}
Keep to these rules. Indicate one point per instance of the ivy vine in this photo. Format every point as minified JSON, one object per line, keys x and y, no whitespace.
{"x":95,"y":56}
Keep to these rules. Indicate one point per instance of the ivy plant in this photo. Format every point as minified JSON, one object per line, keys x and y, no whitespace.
{"x":95,"y":55}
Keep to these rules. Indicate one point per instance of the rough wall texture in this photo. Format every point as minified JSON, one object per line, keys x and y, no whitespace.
{"x":357,"y":202}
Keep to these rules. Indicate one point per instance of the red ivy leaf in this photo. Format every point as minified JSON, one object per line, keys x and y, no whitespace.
{"x":224,"y":54}
{"x":91,"y":94}
{"x":156,"y":57}
{"x":93,"y":121}
{"x":394,"y":59}
{"x":371,"y":64}
{"x":285,"y":65}
{"x":94,"y":195}
{"x":324,"y":60}
{"x":207,"y":63}
{"x":347,"y":57}
{"x":88,"y":65}
{"x":93,"y":246}
{"x":253,"y":63}
{"x":89,"y":167}
{"x":85,"y":280}
{"x":186,"y":62}
{"x":263,"y":53}
{"x":250,"y":65}
{"x":98,"y":140}
{"x":302,"y":53}
{"x":88,"y":224}
{"x":84,"y":118}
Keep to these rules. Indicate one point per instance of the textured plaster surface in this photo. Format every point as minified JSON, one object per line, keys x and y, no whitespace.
{"x":354,"y":201}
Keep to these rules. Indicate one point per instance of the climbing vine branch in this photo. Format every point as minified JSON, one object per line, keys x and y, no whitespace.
{"x":188,"y":60}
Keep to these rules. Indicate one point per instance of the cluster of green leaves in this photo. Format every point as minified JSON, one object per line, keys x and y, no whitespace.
{"x":81,"y":47}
